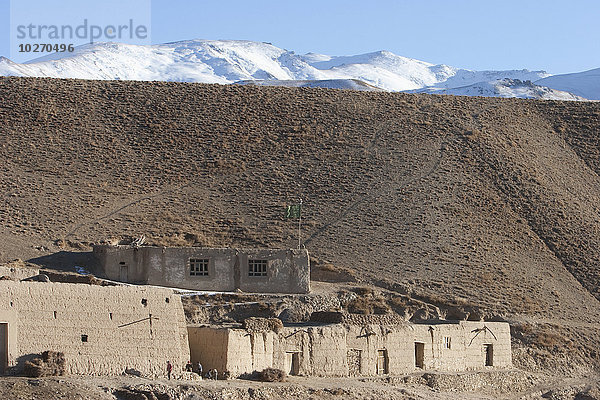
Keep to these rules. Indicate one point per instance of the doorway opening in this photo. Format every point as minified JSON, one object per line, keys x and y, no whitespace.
{"x":292,"y":362}
{"x":382,"y":362}
{"x":124,"y":272}
{"x":419,"y":355}
{"x":3,"y":347}
{"x":489,"y":355}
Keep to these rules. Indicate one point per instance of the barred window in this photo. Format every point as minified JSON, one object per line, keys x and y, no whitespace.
{"x":447,"y":342}
{"x":257,"y":267}
{"x":198,"y":267}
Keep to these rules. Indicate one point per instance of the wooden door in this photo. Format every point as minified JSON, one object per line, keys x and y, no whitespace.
{"x":124,"y":274}
{"x":420,"y":355}
{"x":3,"y":347}
{"x":382,"y":362}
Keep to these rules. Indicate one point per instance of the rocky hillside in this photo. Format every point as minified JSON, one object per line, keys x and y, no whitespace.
{"x":481,"y":201}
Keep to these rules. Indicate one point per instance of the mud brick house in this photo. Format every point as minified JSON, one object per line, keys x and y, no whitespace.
{"x":102,"y":330}
{"x":347,"y":349}
{"x":198,"y":268}
{"x":105,"y":330}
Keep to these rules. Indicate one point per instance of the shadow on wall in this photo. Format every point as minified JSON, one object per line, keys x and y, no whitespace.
{"x":18,"y":368}
{"x":48,"y":363}
{"x":68,"y":261}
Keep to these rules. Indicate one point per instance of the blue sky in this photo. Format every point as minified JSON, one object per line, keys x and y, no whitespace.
{"x":557,"y":36}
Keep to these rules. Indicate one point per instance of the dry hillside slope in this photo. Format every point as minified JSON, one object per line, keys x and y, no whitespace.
{"x":493,"y":202}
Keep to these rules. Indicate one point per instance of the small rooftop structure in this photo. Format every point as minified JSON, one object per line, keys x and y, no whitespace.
{"x":213,"y":269}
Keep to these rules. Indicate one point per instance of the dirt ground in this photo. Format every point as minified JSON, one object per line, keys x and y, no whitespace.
{"x":519,"y":386}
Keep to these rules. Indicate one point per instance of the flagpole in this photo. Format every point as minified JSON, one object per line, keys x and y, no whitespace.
{"x":299,"y":222}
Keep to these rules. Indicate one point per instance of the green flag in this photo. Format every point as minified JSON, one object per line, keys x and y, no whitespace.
{"x":293,"y":211}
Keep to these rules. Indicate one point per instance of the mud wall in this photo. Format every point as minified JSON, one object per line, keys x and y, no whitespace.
{"x":101,"y":330}
{"x":447,"y":346}
{"x":342,"y":350}
{"x":18,"y":273}
{"x":321,"y":350}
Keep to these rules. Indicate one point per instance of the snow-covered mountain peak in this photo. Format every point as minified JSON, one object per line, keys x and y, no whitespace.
{"x":230,"y":61}
{"x":505,"y":88}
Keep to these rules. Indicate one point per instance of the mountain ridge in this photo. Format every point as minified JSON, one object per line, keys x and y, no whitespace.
{"x":231,"y":61}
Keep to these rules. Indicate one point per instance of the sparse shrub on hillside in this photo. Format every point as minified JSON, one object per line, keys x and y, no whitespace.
{"x":254,"y":324}
{"x":368,"y":302}
{"x":543,"y":336}
{"x":364,"y":291}
{"x":528,"y":305}
{"x":328,"y":272}
{"x":399,"y":301}
{"x":183,"y":239}
{"x":474,"y":134}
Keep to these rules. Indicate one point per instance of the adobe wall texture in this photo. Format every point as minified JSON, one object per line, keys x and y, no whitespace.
{"x":328,"y":350}
{"x":466,"y":350}
{"x":321,"y":350}
{"x":287,"y":271}
{"x":120,"y":333}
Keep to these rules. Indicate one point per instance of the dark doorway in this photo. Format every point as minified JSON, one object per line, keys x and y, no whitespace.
{"x":489,"y":355}
{"x":3,"y":347}
{"x":293,"y":363}
{"x":382,"y":362}
{"x":420,"y":355}
{"x":124,"y":273}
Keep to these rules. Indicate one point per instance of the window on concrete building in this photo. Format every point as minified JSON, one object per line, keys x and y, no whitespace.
{"x":447,"y":342}
{"x":198,"y":267}
{"x":257,"y":267}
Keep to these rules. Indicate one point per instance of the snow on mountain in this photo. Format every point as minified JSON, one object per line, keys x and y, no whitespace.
{"x":231,"y":61}
{"x":585,"y":84}
{"x":187,"y":61}
{"x":504,"y":88}
{"x":352,"y":84}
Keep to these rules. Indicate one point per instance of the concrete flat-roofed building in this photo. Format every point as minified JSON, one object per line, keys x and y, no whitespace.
{"x":351,"y":350}
{"x":198,"y":268}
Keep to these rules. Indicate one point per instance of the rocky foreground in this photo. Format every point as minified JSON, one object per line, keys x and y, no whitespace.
{"x":497,"y":385}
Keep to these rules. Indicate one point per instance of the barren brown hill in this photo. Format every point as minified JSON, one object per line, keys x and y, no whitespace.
{"x":489,"y":202}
